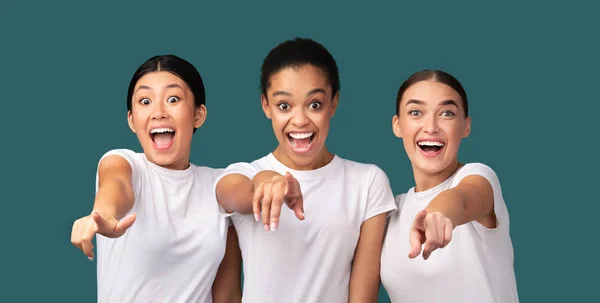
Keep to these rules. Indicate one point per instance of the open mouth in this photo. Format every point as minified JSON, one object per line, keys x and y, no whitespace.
{"x":162,"y":137}
{"x":301,"y":142}
{"x":430,"y":147}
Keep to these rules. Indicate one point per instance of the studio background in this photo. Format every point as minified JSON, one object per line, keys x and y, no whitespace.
{"x":530,"y":71}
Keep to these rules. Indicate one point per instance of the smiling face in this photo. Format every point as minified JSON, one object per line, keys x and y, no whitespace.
{"x":163,"y":116}
{"x":300,"y":105}
{"x":431,"y":121}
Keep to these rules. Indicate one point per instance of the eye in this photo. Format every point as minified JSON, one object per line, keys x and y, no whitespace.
{"x":414,"y":112}
{"x":448,"y":113}
{"x":315,"y":105}
{"x":145,"y":101}
{"x":283,"y":106}
{"x":173,"y":99}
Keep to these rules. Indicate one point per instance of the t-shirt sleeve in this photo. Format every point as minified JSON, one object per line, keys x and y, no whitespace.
{"x":136,"y":168}
{"x":380,"y":198}
{"x":242,"y":168}
{"x":502,"y":218}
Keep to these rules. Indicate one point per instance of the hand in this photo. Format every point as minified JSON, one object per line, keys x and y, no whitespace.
{"x":270,"y":196}
{"x":433,"y":229}
{"x":86,"y":227}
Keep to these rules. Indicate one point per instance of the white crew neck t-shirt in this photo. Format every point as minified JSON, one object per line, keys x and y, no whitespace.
{"x":310,"y":260}
{"x":173,"y":250}
{"x":476,"y":266}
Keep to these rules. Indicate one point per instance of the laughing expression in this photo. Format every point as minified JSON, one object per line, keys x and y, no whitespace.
{"x":300,"y":106}
{"x":431,"y":121}
{"x":163,"y":116}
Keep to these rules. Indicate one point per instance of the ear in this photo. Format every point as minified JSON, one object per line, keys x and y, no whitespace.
{"x":200,"y":116}
{"x":334,"y":103}
{"x":396,"y":126}
{"x":467,"y":128}
{"x":265,"y":106}
{"x":130,"y":121}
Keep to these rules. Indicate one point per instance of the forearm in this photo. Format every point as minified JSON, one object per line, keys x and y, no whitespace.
{"x":114,"y":198}
{"x":451,"y":203}
{"x":235,"y":191}
{"x":364,"y":284}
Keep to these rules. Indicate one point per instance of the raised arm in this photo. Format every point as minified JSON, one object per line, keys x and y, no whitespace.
{"x":471,"y":200}
{"x":235,"y":191}
{"x":264,"y":195}
{"x":114,"y":199}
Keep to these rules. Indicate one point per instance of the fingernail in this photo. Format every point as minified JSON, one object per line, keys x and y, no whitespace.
{"x":273,"y":226}
{"x":91,"y":258}
{"x":256,"y":217}
{"x":266,"y":226}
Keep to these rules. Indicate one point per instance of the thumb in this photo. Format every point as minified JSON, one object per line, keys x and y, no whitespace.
{"x":124,"y":224}
{"x":298,"y":208}
{"x":104,"y":225}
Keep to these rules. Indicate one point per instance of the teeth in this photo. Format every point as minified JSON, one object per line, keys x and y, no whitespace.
{"x":162,"y":130}
{"x":430,"y":143}
{"x":300,"y":135}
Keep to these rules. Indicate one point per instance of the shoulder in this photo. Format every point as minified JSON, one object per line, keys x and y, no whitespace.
{"x":248,"y":169}
{"x":120,"y":158}
{"x":130,"y":156}
{"x":479,"y":169}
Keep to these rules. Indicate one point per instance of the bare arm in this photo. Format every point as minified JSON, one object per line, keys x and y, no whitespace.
{"x":364,"y":279}
{"x":115,"y":189}
{"x":113,"y":200}
{"x":235,"y":191}
{"x":471,"y":200}
{"x":227,"y":285}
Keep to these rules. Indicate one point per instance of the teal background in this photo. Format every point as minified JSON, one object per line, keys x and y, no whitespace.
{"x":530,"y":70}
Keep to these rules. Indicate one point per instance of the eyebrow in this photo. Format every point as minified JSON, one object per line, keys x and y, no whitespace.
{"x":310,"y":93}
{"x":174,"y":85}
{"x":419,"y":102}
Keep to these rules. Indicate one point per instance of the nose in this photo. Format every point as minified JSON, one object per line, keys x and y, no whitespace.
{"x":300,"y":119}
{"x":158,"y":111}
{"x":431,"y":125}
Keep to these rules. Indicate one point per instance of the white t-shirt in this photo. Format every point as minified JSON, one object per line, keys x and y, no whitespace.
{"x":310,"y":260}
{"x":476,"y":266}
{"x":173,"y":250}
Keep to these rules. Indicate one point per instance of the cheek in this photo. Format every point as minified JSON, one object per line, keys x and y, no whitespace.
{"x":322,"y":121}
{"x":278,"y":120}
{"x":139,"y":119}
{"x":409,"y":128}
{"x":186,"y":115}
{"x":455,"y":129}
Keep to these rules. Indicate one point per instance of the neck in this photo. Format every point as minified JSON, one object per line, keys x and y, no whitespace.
{"x":319,"y":161}
{"x":182,"y":163}
{"x":425,"y":180}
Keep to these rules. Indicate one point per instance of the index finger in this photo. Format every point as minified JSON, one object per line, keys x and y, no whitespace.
{"x":419,"y":221}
